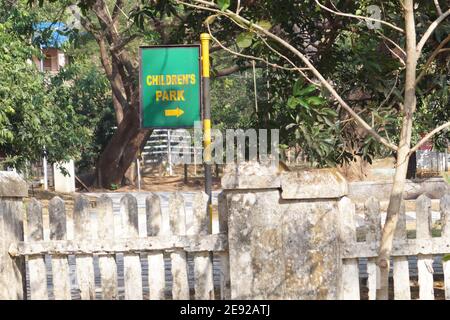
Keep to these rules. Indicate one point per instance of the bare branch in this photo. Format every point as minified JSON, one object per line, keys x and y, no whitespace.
{"x":396,"y":55}
{"x":319,"y":76}
{"x":238,"y":8}
{"x":359,"y":17}
{"x":230,"y":70}
{"x":391,"y":92}
{"x":432,"y":57}
{"x":295,"y":67}
{"x":247,"y":56}
{"x":300,"y":70}
{"x":117,"y":9}
{"x":430,"y":31}
{"x":429,"y":136}
{"x":394,"y":43}
{"x":438,"y":7}
{"x":254,"y":27}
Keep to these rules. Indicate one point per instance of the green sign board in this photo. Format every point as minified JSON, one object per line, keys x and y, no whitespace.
{"x":170,"y":86}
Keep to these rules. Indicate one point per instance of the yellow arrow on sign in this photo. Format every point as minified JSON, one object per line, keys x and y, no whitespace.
{"x":173,"y":112}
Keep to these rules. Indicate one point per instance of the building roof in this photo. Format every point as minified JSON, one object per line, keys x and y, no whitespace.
{"x":55,"y":39}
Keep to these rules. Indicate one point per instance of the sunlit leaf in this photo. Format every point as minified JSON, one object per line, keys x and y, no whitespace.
{"x":244,"y":40}
{"x":223,"y":4}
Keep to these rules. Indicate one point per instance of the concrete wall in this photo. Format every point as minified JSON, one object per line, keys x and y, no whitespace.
{"x":282,"y":232}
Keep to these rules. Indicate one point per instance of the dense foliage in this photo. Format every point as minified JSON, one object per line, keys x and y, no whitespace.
{"x":67,"y":115}
{"x":30,"y":119}
{"x":361,"y":63}
{"x":357,"y":59}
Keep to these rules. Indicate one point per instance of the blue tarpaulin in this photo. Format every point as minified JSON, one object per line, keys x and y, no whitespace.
{"x":56,"y":39}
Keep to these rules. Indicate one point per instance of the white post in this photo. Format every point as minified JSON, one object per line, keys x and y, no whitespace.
{"x":64,"y":183}
{"x":44,"y":165}
{"x":169,"y":153}
{"x":446,"y":157}
{"x":138,"y":167}
{"x":195,"y":161}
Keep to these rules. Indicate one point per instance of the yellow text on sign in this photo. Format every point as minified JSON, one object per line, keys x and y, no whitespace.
{"x":170,"y":80}
{"x":170,"y":95}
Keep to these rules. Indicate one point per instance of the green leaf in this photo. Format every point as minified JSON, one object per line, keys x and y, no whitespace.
{"x":316,"y":101}
{"x":307,"y":90}
{"x":298,"y":86}
{"x":330,"y":112}
{"x":223,"y":4}
{"x":293,"y":102}
{"x":265,"y":24}
{"x":303,"y":103}
{"x":446,"y":258}
{"x":244,"y":40}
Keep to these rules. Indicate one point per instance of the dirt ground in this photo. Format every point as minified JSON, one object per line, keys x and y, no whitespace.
{"x":154,"y":179}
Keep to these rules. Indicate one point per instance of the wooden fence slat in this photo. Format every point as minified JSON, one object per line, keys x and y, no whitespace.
{"x":203,"y":266}
{"x":60,"y":263}
{"x":402,"y":290}
{"x":131,"y":261}
{"x":177,"y":218}
{"x":107,"y":263}
{"x":13,"y":272}
{"x":445,"y":219}
{"x":424,"y":262}
{"x":156,"y":270}
{"x":350,"y":272}
{"x":224,"y":258}
{"x":84,"y":263}
{"x":36,"y":264}
{"x":373,"y":223}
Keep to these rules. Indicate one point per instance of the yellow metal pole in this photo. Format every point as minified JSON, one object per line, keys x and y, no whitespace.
{"x":205,"y":38}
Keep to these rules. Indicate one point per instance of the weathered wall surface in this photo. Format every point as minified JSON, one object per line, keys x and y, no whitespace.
{"x":283,"y":232}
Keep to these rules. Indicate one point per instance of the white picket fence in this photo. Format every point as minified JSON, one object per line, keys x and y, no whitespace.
{"x":424,"y":247}
{"x":91,"y":254}
{"x":96,"y":241}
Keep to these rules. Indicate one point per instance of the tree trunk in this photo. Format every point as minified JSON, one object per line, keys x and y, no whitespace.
{"x":398,"y":187}
{"x":121,"y":150}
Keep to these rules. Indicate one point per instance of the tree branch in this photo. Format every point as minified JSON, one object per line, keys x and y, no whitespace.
{"x":431,"y":58}
{"x":116,"y":10}
{"x":236,"y":68}
{"x":249,"y":56}
{"x":430,"y":31}
{"x":429,"y":136}
{"x":318,"y":75}
{"x":359,"y":17}
{"x":256,"y":28}
{"x":123,"y":42}
{"x":438,"y":7}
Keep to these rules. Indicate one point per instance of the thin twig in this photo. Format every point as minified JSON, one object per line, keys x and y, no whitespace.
{"x":391,"y":92}
{"x":246,"y":55}
{"x":238,"y":8}
{"x":429,"y":136}
{"x":430,"y":31}
{"x":359,"y":17}
{"x":431,"y":58}
{"x":393,"y":42}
